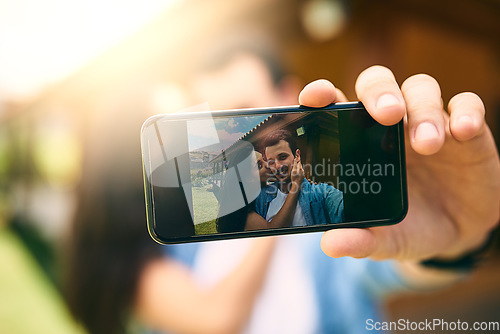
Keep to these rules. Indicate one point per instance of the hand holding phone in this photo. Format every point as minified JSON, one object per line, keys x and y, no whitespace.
{"x":453,"y":169}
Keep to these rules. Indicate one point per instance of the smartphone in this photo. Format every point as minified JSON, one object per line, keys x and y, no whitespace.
{"x":228,"y":174}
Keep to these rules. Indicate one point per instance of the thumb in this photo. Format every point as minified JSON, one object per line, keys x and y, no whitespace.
{"x":377,"y":243}
{"x":357,"y":243}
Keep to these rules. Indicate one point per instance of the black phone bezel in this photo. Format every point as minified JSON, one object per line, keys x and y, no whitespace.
{"x":276,"y":231}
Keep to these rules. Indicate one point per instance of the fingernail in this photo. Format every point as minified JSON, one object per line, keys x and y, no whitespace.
{"x":387,"y":100}
{"x":426,"y":131}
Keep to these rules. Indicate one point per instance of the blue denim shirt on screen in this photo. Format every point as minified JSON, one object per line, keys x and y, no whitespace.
{"x":321,"y":203}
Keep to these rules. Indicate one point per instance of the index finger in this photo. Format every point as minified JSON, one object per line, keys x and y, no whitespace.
{"x":377,"y":88}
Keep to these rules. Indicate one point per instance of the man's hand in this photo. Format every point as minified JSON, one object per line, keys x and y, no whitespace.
{"x":453,"y":169}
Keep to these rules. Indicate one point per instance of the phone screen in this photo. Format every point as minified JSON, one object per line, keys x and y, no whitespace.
{"x":228,"y":174}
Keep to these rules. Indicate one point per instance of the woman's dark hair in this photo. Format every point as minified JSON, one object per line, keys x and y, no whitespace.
{"x":109,"y":243}
{"x":235,"y":221}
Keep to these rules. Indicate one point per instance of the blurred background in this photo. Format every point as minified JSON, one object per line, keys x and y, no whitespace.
{"x":74,"y":73}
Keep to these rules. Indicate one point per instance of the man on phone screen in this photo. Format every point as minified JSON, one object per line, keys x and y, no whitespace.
{"x":317,"y":203}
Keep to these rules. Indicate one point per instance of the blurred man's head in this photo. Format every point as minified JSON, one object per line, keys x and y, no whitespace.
{"x":244,"y":73}
{"x":280,"y":150}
